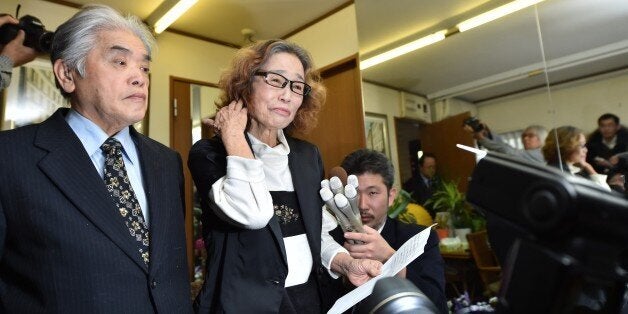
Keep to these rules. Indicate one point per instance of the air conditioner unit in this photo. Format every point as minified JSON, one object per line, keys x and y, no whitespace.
{"x":415,"y":107}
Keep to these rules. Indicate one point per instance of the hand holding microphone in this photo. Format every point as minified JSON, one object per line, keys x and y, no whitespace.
{"x":341,"y":201}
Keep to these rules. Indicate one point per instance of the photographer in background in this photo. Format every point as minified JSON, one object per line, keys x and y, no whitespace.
{"x":14,"y":53}
{"x":532,"y":138}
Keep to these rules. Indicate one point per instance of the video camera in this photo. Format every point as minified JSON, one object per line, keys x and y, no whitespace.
{"x":567,"y":237}
{"x":474,"y":123}
{"x":37,"y":37}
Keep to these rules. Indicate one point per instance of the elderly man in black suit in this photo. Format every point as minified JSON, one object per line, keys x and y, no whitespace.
{"x":91,"y":211}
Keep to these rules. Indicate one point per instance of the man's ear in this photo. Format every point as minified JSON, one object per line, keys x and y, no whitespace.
{"x":392,"y":193}
{"x":64,"y":76}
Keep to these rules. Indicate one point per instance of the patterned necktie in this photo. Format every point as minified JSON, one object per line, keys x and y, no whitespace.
{"x":120,"y":189}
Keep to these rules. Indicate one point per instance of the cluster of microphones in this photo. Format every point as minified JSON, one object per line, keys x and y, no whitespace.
{"x":340,"y":194}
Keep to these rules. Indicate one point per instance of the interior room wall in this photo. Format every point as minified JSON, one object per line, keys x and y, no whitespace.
{"x":332,"y":39}
{"x":578,"y":104}
{"x":195,"y":59}
{"x":383,"y":100}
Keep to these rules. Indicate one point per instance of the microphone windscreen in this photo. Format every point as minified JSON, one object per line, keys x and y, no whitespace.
{"x":340,"y":173}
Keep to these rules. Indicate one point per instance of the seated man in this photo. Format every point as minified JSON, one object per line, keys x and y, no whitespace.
{"x":532,"y":138}
{"x":384,"y":235}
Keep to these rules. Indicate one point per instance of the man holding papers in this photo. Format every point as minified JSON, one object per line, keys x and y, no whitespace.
{"x":383,"y":236}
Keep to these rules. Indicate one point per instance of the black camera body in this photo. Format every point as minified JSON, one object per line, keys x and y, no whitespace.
{"x":37,"y":37}
{"x":474,"y":123}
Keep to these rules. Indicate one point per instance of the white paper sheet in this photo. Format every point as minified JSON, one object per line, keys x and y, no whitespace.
{"x":407,"y":253}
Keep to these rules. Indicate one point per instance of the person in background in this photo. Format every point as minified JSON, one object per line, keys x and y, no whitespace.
{"x":566,"y":149}
{"x":268,"y":243}
{"x":383,"y":235}
{"x":14,"y":53}
{"x":532,"y":138}
{"x":607,"y":144}
{"x":91,"y":211}
{"x":424,"y":181}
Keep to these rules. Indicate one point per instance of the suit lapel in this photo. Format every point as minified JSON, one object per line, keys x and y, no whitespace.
{"x":152,"y":173}
{"x":305,"y":181}
{"x":69,"y":167}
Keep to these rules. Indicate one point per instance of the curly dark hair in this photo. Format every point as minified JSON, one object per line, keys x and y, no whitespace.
{"x":236,"y":81}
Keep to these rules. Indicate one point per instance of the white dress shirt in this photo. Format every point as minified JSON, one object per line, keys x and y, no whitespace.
{"x":92,"y":137}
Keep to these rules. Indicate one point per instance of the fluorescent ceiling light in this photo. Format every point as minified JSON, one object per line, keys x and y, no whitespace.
{"x":495,"y":14}
{"x":173,"y":10}
{"x":401,"y":50}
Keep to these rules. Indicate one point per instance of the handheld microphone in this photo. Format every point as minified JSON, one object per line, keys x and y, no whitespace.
{"x":328,"y":198}
{"x":335,"y":185}
{"x":339,"y":172}
{"x":343,"y":206}
{"x":352,"y":195}
{"x":325,"y":184}
{"x":353,"y":180}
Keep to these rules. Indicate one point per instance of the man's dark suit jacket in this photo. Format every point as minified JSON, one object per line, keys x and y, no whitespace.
{"x":246,"y":269}
{"x":420,"y":191}
{"x":64,"y":247}
{"x":427,"y":272}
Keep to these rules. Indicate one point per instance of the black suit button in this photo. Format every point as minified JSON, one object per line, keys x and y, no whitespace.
{"x":275,"y":282}
{"x":320,"y":271}
{"x":153,"y":284}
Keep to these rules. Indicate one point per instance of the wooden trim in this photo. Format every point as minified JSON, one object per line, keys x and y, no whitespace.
{"x":218,"y":41}
{"x":351,"y":60}
{"x":181,"y":79}
{"x":322,"y":17}
{"x":66,"y":3}
{"x":392,"y":87}
{"x":203,"y":38}
{"x":583,"y":77}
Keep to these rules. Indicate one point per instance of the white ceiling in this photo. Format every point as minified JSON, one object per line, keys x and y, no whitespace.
{"x":581,"y":37}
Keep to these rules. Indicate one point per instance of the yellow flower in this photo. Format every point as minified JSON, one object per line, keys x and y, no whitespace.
{"x":416,"y":214}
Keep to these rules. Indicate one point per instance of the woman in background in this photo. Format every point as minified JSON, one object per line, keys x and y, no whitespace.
{"x":269,"y":250}
{"x":565,"y":146}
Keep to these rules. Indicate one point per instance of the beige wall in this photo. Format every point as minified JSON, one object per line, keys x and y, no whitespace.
{"x":331,"y":39}
{"x":578,"y":104}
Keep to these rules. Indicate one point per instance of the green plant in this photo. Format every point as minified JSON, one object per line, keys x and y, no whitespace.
{"x":399,"y":204}
{"x":448,"y":198}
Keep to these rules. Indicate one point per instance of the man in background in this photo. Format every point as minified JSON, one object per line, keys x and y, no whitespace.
{"x":383,"y":236}
{"x":533,"y":139}
{"x":424,"y":180}
{"x":91,"y":211}
{"x":14,"y":53}
{"x":607,"y":144}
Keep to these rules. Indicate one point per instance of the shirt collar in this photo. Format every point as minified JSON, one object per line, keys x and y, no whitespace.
{"x":92,"y":136}
{"x":260,"y":147}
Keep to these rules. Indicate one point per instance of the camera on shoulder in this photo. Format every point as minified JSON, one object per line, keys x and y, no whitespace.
{"x":474,"y":123}
{"x":37,"y":37}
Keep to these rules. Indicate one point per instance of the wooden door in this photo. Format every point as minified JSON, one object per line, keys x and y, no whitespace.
{"x":181,"y":141}
{"x":340,"y":128}
{"x":440,"y":138}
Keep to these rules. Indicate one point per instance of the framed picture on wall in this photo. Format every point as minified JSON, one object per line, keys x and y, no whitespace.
{"x":376,"y":128}
{"x":32,"y":96}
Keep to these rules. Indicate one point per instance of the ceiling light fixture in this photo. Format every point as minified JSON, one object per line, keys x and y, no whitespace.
{"x":401,"y":50}
{"x":168,"y":12}
{"x":495,"y":14}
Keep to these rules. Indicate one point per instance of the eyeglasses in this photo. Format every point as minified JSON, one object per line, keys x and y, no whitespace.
{"x":277,"y":80}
